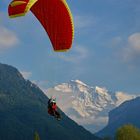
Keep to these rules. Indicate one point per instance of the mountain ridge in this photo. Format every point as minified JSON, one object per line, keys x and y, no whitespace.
{"x":126,"y":113}
{"x":23,"y":111}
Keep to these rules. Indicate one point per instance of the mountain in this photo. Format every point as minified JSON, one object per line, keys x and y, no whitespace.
{"x":126,"y":113}
{"x":87,"y":105}
{"x":23,"y":111}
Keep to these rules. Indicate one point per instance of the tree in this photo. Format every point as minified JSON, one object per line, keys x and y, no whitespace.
{"x":36,"y":136}
{"x":128,"y":132}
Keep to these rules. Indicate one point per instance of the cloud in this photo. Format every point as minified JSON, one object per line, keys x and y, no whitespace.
{"x":132,"y":50}
{"x":115,"y":41}
{"x":91,"y":120}
{"x":78,"y":54}
{"x":26,"y":74}
{"x":83,"y":21}
{"x":134,"y":41}
{"x":8,"y":38}
{"x":41,"y":84}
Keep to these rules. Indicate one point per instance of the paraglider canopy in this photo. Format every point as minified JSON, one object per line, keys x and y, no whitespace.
{"x":54,"y":15}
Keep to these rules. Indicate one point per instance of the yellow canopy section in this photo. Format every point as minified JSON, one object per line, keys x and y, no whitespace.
{"x":15,"y":3}
{"x":30,"y":4}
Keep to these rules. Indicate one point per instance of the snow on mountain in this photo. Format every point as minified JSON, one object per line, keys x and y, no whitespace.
{"x":88,"y":106}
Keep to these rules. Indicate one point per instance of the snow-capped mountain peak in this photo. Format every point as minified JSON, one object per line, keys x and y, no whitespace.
{"x":86,"y":104}
{"x":63,"y":88}
{"x":78,"y":82}
{"x":73,"y":86}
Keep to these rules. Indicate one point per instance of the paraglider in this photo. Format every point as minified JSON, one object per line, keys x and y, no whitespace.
{"x":54,"y":15}
{"x":52,"y":108}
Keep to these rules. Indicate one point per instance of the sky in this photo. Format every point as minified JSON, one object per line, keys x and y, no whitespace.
{"x":105,"y":50}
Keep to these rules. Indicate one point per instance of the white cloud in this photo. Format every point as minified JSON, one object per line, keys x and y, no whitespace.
{"x":8,"y":38}
{"x":77,"y":54}
{"x":83,"y":21}
{"x":132,"y":50}
{"x":134,"y":41}
{"x":41,"y":84}
{"x":91,"y":120}
{"x":26,"y":74}
{"x":115,"y":41}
